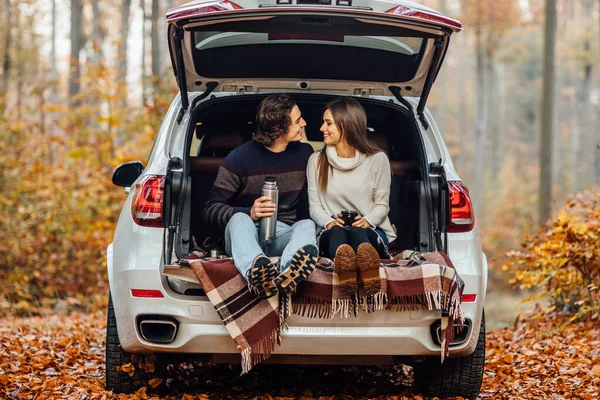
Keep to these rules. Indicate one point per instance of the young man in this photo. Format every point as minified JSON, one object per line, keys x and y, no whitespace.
{"x":235,"y":201}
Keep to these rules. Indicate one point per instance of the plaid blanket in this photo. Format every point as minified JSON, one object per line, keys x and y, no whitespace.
{"x":410,"y":281}
{"x":254,"y":324}
{"x":426,"y":279}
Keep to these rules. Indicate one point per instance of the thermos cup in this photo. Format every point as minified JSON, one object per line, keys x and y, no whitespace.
{"x":268,"y":225}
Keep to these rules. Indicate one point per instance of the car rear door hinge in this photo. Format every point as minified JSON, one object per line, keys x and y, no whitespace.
{"x":210,"y":86}
{"x":396,"y":91}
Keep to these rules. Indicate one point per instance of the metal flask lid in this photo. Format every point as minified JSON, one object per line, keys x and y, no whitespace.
{"x":270,"y":182}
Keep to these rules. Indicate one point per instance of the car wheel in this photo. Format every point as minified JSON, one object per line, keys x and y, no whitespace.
{"x":126,"y":372}
{"x":460,"y":376}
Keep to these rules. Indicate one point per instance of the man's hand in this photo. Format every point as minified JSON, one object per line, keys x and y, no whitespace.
{"x":360,"y":222}
{"x":262,"y":207}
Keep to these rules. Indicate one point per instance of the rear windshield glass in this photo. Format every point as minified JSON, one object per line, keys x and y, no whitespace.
{"x":335,"y":56}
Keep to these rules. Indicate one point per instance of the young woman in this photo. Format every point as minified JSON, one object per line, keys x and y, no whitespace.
{"x":350,"y":174}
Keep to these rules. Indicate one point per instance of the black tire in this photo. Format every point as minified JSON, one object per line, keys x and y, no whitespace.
{"x":456,"y":376}
{"x":147,"y":366}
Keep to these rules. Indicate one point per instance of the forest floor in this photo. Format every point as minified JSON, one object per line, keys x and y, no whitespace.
{"x":62,"y":356}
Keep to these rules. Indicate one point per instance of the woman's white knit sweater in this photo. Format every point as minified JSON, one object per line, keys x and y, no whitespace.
{"x":361,"y":183}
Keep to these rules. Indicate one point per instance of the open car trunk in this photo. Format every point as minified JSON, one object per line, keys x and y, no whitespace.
{"x":381,"y":48}
{"x":219,"y":125}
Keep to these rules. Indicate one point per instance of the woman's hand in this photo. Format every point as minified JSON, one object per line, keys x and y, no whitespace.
{"x":360,"y":222}
{"x":262,"y":207}
{"x":336,"y":222}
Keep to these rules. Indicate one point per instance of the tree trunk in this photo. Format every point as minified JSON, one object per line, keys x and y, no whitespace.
{"x":558,"y":169}
{"x":546,"y":152}
{"x":76,"y":45}
{"x":575,"y":143}
{"x":442,"y":80}
{"x":144,"y":72}
{"x":463,"y":126}
{"x":492,"y":101}
{"x":125,"y":12}
{"x":43,"y":130}
{"x":155,"y":45}
{"x":19,"y":65}
{"x":98,"y":33}
{"x":7,"y":43}
{"x":164,"y":52}
{"x":53,"y":61}
{"x":597,"y":147}
{"x":481,"y":124}
{"x":589,"y":137}
{"x":499,"y":130}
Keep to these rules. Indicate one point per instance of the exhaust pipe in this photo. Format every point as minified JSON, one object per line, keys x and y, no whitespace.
{"x":158,"y":329}
{"x":460,"y":335}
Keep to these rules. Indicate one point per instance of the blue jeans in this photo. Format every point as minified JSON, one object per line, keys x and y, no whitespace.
{"x":242,"y":242}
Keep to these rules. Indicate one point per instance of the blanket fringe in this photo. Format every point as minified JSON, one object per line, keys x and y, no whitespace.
{"x":374,"y":302}
{"x":260,"y":350}
{"x":380,"y":300}
{"x":312,"y":308}
{"x":342,"y":307}
{"x":346,"y":307}
{"x":246,"y":360}
{"x":412,"y":302}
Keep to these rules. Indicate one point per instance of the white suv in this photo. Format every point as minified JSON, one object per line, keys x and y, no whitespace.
{"x":227,"y":56}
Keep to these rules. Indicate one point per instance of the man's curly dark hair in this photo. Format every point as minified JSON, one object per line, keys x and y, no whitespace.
{"x":273,"y":118}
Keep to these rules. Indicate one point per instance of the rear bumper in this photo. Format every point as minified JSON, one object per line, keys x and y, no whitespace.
{"x":200,"y":331}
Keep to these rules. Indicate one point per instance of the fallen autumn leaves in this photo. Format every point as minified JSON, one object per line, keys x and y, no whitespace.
{"x":62,"y":356}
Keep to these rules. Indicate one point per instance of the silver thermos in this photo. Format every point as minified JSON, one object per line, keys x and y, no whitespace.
{"x":268,"y":225}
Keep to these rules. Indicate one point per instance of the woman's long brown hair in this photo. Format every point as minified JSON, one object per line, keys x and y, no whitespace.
{"x":351,"y":120}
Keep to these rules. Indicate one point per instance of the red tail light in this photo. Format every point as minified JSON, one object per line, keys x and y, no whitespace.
{"x":469,"y":298}
{"x":153,"y":294}
{"x":147,"y":203}
{"x":462,"y":218}
{"x":426,"y":16}
{"x":195,"y":10}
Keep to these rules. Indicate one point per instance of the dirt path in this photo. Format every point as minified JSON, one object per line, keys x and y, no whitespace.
{"x":62,"y":356}
{"x":502,"y":307}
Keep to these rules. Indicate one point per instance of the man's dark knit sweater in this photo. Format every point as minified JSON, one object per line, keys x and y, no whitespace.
{"x":241,"y":176}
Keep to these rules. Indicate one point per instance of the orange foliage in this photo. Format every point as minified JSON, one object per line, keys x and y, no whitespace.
{"x":62,"y":356}
{"x":564,"y":258}
{"x":543,"y":358}
{"x":58,"y":205}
